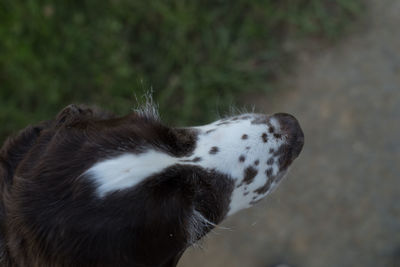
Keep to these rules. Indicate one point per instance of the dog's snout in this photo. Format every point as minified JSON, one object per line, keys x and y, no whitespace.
{"x":290,"y":127}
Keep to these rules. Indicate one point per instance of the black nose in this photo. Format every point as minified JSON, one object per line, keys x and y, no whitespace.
{"x":290,"y":127}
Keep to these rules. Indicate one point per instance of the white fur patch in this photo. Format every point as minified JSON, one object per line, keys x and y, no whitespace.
{"x":127,"y":170}
{"x":228,"y":138}
{"x":227,"y":146}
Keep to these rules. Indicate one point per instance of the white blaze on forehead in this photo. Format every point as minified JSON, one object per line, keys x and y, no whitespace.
{"x":229,"y":147}
{"x":127,"y":170}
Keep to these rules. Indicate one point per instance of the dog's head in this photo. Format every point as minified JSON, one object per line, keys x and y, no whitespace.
{"x":130,"y":190}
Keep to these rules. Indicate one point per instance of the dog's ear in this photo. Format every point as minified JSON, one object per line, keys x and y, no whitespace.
{"x":15,"y":148}
{"x":12,"y":153}
{"x":75,"y":113}
{"x":71,"y":114}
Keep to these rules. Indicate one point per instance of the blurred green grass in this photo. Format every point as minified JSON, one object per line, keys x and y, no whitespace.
{"x":197,"y":56}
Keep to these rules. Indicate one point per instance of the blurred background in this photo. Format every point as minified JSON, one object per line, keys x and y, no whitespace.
{"x":334,"y":64}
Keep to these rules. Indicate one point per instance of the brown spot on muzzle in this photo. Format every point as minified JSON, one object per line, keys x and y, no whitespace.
{"x":263,"y":189}
{"x":260,"y":120}
{"x":249,"y":175}
{"x":210,"y":131}
{"x":268,"y":172}
{"x":271,"y":129}
{"x":214,"y":150}
{"x":264,"y":137}
{"x":223,"y":123}
{"x":196,"y":159}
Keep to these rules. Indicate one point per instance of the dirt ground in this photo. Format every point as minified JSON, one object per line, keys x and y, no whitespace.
{"x":340,"y":204}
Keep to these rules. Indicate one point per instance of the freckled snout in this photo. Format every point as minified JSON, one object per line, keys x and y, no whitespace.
{"x":290,"y":127}
{"x":253,"y":150}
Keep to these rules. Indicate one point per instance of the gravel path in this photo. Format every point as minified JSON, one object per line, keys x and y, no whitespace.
{"x":340,"y":205}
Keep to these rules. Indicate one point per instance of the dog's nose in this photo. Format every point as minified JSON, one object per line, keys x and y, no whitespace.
{"x":290,"y":127}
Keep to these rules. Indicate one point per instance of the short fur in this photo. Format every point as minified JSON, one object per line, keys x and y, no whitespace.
{"x":50,"y":214}
{"x":51,"y":218}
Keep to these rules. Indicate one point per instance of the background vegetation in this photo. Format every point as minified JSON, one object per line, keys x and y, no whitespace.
{"x":195,"y":55}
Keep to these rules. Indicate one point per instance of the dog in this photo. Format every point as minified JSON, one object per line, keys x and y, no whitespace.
{"x":91,"y":189}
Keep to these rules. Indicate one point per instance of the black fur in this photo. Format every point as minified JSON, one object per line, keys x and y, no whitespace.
{"x":51,"y":216}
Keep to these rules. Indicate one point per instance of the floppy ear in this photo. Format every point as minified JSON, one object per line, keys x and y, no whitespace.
{"x":74,"y":113}
{"x":12,"y":153}
{"x":15,"y":148}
